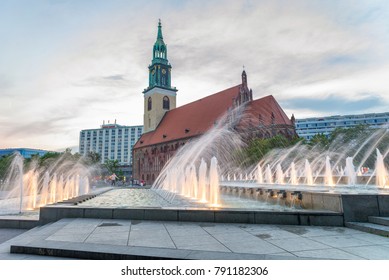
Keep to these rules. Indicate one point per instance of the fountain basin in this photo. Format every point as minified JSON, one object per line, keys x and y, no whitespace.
{"x":187,"y":210}
{"x":318,"y":218}
{"x":356,"y":203}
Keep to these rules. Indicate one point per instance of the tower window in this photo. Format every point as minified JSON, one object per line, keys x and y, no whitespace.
{"x":166,"y":103}
{"x":149,"y":104}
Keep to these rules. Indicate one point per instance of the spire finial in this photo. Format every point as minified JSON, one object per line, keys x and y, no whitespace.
{"x":244,"y":77}
{"x":159,"y":30}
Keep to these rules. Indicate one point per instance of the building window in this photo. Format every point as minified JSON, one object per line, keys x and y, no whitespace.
{"x":166,"y":103}
{"x":149,"y":104}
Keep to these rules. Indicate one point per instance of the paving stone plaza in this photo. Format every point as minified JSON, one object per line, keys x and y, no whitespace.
{"x":119,"y":239}
{"x":102,"y":238}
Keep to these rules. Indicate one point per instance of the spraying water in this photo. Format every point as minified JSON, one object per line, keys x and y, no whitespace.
{"x":350,"y":172}
{"x":33,"y":187}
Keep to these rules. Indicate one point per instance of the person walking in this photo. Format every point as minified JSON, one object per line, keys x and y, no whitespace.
{"x":113,"y":179}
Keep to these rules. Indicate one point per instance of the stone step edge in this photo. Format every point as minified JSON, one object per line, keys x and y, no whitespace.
{"x":379,"y":220}
{"x":369,"y":228}
{"x":113,"y":252}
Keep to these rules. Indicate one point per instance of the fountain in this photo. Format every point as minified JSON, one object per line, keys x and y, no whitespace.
{"x":313,"y":171}
{"x":203,"y":181}
{"x":259,"y":174}
{"x":293,"y":174}
{"x":214,"y":183}
{"x":209,"y":173}
{"x":268,"y":175}
{"x":381,"y":172}
{"x":27,"y":189}
{"x":316,"y":177}
{"x":279,"y":175}
{"x":329,"y":181}
{"x":350,"y":172}
{"x":308,"y":173}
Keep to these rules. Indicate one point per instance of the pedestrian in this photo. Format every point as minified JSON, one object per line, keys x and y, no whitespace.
{"x":113,"y":179}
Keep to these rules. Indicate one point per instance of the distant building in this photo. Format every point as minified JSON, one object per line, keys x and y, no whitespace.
{"x":26,"y":153}
{"x":309,"y":127}
{"x":111,"y":142}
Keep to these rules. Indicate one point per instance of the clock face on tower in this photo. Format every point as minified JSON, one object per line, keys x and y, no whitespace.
{"x":163,"y":71}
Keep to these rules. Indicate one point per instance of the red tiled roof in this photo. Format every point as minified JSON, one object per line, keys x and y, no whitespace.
{"x":263,"y":108}
{"x":197,"y":117}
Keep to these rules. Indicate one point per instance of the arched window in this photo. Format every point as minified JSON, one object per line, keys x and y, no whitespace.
{"x":149,"y":104}
{"x":166,"y":103}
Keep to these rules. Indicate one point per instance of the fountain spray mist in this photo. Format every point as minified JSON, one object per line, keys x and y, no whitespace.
{"x":218,"y":145}
{"x":33,"y":186}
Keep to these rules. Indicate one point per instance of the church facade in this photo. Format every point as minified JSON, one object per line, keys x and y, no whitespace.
{"x":167,"y":127}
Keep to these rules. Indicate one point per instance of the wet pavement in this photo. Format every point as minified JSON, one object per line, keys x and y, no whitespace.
{"x":138,"y":239}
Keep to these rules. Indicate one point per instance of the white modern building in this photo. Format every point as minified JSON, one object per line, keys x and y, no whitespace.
{"x":309,"y":127}
{"x":111,"y":142}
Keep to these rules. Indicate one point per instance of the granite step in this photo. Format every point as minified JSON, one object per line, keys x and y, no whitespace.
{"x":97,"y":251}
{"x":379,"y":220}
{"x":370,"y":228}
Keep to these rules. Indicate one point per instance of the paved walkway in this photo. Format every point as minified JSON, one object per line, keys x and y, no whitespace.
{"x":100,"y":238}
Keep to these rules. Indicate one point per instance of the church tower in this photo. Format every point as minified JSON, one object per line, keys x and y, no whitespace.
{"x":159,"y":96}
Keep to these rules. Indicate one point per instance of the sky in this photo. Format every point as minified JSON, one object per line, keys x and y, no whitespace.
{"x":68,"y":65}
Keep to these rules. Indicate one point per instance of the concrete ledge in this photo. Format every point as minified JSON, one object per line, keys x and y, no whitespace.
{"x":358,"y":208}
{"x":322,"y":220}
{"x":379,"y":220}
{"x":196,"y":216}
{"x":18,"y":223}
{"x":246,"y":216}
{"x":99,"y":213}
{"x":112,"y":252}
{"x":370,"y":228}
{"x":277,"y":218}
{"x":130,"y":214}
{"x":161,"y":215}
{"x":231,"y":216}
{"x":383,"y":204}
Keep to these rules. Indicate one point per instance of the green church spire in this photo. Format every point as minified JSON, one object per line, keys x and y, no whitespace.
{"x":159,"y":96}
{"x":160,"y":68}
{"x":160,"y":49}
{"x":159,"y":37}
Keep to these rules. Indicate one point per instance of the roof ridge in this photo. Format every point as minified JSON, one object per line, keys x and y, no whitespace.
{"x":205,"y":97}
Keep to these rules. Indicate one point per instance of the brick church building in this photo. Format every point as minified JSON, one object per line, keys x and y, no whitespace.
{"x":167,"y":128}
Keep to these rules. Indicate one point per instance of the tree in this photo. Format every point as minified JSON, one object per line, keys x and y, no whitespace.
{"x":5,"y":162}
{"x":259,"y":147}
{"x":319,"y":140}
{"x":361,"y":142}
{"x":92,"y":158}
{"x":112,"y":166}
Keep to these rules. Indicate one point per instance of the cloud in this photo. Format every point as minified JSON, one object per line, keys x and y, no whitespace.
{"x":106,"y":81}
{"x":91,"y":65}
{"x":360,"y":84}
{"x":334,"y":104}
{"x":5,"y":83}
